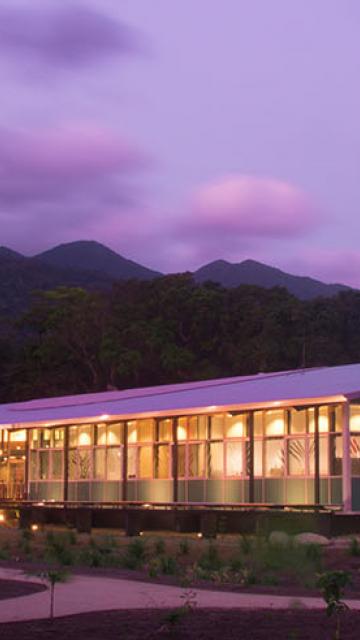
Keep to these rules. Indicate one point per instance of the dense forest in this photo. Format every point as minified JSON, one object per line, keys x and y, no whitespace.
{"x":169,"y":330}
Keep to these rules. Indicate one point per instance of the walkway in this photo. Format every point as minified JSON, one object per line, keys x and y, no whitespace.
{"x":84,"y":593}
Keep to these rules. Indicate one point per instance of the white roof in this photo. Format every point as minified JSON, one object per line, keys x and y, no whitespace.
{"x":297,"y":387}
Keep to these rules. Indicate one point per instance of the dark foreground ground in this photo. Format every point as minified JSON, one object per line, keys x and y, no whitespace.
{"x":297,"y":624}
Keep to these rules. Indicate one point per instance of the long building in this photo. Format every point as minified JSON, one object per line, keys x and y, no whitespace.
{"x":283,"y":438}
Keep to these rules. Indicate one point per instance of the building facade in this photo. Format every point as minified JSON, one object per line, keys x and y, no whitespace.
{"x":290,"y":438}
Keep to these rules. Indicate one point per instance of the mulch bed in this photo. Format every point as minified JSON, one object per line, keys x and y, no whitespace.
{"x":297,"y":624}
{"x":16,"y":588}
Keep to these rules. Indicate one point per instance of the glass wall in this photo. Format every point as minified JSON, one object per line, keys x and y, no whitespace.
{"x":212,"y":458}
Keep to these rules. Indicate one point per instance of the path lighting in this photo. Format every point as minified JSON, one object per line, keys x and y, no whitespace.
{"x":34,"y":527}
{"x":2,"y":517}
{"x":199,"y":535}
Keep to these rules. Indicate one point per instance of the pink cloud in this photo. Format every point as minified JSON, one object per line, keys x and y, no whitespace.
{"x":62,"y":33}
{"x":245,"y":205}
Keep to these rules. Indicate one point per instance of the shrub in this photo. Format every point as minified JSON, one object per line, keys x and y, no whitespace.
{"x":159,"y":546}
{"x":246,"y":545}
{"x":184,"y":547}
{"x":354,"y":548}
{"x":210,"y":559}
{"x":168,"y":565}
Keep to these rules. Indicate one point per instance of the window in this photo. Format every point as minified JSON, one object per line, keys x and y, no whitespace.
{"x":114,"y":434}
{"x":114,"y":457}
{"x":296,"y":456}
{"x":181,"y":458}
{"x":274,"y":423}
{"x":182,"y":429}
{"x":84,"y":466}
{"x":258,"y":423}
{"x":336,"y":455}
{"x":162,"y":461}
{"x":34,"y":439}
{"x":101,"y":434}
{"x":99,"y":464}
{"x":234,"y":459}
{"x":217,"y":427}
{"x":44,"y":466}
{"x":81,"y":436}
{"x":298,"y":420}
{"x":274,"y":458}
{"x":165,"y":430}
{"x":258,"y":458}
{"x":196,"y":461}
{"x":58,"y":438}
{"x":45,"y":438}
{"x":145,"y":430}
{"x":197,"y":427}
{"x":215,"y":459}
{"x":323,"y":456}
{"x":323,"y":420}
{"x":355,"y":417}
{"x":132,"y":462}
{"x":33,"y":465}
{"x":236,"y":426}
{"x":57,"y":465}
{"x":145,"y":462}
{"x":355,"y":455}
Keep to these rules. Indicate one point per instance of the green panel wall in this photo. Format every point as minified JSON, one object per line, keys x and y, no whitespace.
{"x":196,"y":490}
{"x":234,"y":491}
{"x":356,"y":494}
{"x":214,"y":491}
{"x":46,"y":491}
{"x":295,"y":491}
{"x":155,"y":490}
{"x":274,"y":490}
{"x":336,"y":491}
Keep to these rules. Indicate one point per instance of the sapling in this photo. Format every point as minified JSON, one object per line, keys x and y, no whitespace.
{"x":52,"y":577}
{"x":332,"y":585}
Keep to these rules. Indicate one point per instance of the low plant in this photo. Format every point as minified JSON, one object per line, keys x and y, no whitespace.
{"x":184,"y":547}
{"x":210,"y":559}
{"x":135,"y":554}
{"x":168,"y":565}
{"x":332,"y":585}
{"x":246,"y":544}
{"x":354,"y":548}
{"x":159,"y":546}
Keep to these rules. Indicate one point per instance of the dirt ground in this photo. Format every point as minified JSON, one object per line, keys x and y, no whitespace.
{"x":296,"y":624}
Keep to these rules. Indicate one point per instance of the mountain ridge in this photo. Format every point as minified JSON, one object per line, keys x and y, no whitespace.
{"x":94,"y":266}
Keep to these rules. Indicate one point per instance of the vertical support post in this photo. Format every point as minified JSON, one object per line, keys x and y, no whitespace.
{"x":251,"y":457}
{"x":346,"y":464}
{"x":66,"y":463}
{"x":27,"y":462}
{"x":124,"y":494}
{"x":175,"y":459}
{"x":316,"y":457}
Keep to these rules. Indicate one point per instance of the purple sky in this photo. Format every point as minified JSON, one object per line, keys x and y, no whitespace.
{"x":183,"y":131}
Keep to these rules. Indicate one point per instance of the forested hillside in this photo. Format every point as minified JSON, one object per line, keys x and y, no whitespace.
{"x":169,"y":330}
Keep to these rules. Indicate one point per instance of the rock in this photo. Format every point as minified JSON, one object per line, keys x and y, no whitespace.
{"x":279,"y":537}
{"x":311,"y":538}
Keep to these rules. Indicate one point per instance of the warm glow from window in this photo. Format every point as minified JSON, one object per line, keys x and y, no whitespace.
{"x":18,"y":436}
{"x":84,"y":439}
{"x":181,"y":433}
{"x":236,"y":426}
{"x":274,"y":423}
{"x":354,"y":417}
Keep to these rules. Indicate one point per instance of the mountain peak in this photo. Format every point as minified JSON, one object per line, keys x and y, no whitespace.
{"x":251,"y":272}
{"x":89,"y":255}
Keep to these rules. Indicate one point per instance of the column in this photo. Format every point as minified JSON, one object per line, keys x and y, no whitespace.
{"x":175,"y":459}
{"x":346,"y":463}
{"x":125,"y":463}
{"x":66,"y":463}
{"x":251,"y":456}
{"x":316,"y":457}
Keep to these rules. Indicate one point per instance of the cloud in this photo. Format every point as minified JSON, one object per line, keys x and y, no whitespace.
{"x":249,"y":206}
{"x":51,"y":179}
{"x":62,"y":33}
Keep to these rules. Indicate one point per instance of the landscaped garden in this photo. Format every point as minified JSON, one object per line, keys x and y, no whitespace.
{"x":277,"y":563}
